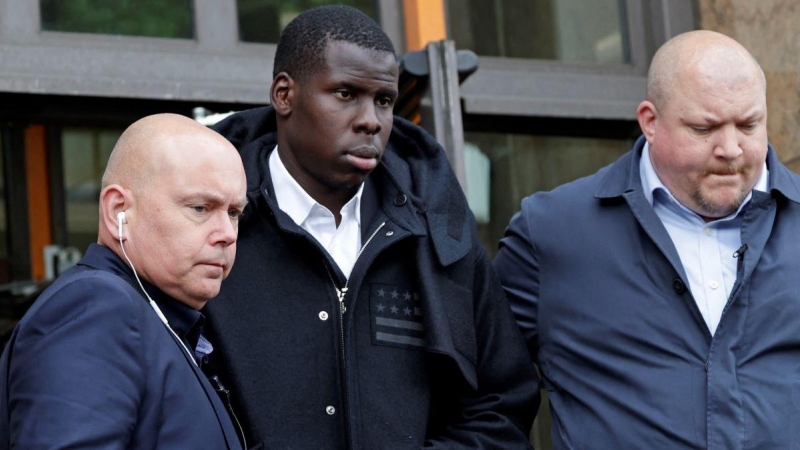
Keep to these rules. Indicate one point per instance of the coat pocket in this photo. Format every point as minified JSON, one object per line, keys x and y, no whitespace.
{"x":458,"y":306}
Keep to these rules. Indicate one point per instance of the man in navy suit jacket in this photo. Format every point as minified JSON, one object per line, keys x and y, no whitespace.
{"x":108,"y":355}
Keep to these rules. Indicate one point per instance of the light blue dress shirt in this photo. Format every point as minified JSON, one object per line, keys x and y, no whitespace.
{"x":706,"y":249}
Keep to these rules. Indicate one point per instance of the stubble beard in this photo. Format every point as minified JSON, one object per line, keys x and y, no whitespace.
{"x":710,"y":207}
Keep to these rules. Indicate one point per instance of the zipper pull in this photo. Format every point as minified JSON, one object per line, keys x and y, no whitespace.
{"x":342,"y":293}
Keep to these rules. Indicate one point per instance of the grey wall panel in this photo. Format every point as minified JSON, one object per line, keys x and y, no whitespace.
{"x":60,"y":63}
{"x":542,"y":92}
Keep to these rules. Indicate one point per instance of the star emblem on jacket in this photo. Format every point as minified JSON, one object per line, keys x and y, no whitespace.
{"x":396,"y":316}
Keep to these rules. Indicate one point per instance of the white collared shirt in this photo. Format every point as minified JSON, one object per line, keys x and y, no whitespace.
{"x":343,"y":242}
{"x":706,"y":249}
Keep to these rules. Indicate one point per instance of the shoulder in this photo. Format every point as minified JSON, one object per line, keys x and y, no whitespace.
{"x":246,"y":126}
{"x":569,"y":198}
{"x":254,"y":134}
{"x":604,"y":187}
{"x":569,"y":214}
{"x":83,"y":295}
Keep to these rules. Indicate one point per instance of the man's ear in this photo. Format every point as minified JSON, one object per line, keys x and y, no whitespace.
{"x":647,"y":114}
{"x":282,"y":93}
{"x":113,"y":200}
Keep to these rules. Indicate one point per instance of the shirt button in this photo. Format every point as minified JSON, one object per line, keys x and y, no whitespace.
{"x":323,"y":315}
{"x":714,"y":284}
{"x":678,"y":285}
{"x":330,"y":410}
{"x":708,"y":231}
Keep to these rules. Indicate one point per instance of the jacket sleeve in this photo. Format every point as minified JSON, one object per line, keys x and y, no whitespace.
{"x":499,"y":414}
{"x":75,"y":372}
{"x":517,"y":266}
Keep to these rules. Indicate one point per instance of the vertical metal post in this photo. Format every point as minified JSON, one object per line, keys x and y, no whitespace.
{"x":441,"y":104}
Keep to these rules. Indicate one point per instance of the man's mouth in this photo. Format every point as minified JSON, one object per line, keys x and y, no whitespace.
{"x":728,"y":170}
{"x":213,"y":265}
{"x":363,"y":158}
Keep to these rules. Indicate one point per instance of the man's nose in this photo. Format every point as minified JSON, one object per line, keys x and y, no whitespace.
{"x":367,"y":120}
{"x":728,"y":143}
{"x":225,"y":231}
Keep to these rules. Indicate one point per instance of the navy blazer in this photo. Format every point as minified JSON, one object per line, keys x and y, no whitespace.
{"x":92,"y":365}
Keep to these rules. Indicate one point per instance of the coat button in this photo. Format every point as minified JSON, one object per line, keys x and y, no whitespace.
{"x":323,"y":315}
{"x":400,"y":200}
{"x":678,"y":285}
{"x":330,"y":410}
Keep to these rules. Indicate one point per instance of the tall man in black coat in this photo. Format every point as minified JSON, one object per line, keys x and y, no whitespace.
{"x":364,"y":312}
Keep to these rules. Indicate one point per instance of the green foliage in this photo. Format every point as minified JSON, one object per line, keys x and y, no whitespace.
{"x":154,"y":18}
{"x":263,"y":20}
{"x":259,"y":20}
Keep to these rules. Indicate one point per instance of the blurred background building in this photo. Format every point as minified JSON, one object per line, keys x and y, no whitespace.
{"x":554,"y":97}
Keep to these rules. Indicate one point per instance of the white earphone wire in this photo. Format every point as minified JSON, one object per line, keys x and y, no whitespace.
{"x":120,"y":219}
{"x":152,"y":303}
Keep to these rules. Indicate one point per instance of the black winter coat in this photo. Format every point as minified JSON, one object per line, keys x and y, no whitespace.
{"x":425,"y":352}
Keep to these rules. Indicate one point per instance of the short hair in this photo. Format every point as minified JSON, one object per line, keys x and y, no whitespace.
{"x":304,"y":41}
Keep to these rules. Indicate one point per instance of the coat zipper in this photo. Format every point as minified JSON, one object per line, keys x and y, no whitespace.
{"x":225,"y":396}
{"x":340,"y":294}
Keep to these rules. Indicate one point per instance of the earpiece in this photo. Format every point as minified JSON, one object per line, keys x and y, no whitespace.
{"x":120,"y":221}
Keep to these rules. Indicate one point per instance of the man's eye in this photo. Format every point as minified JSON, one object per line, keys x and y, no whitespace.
{"x":235,"y":214}
{"x":344,"y":95}
{"x":199,"y":208}
{"x":386,"y":102}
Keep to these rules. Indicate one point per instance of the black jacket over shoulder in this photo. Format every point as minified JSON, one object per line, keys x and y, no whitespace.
{"x":424,"y":351}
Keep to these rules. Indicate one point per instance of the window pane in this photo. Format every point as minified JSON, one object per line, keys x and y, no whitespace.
{"x":263,"y":20}
{"x":502,"y":169}
{"x":563,"y":30}
{"x":153,"y":18}
{"x":85,"y":154}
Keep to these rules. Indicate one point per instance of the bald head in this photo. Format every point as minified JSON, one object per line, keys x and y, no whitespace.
{"x":696,"y":55}
{"x":151,"y":146}
{"x":182,"y":187}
